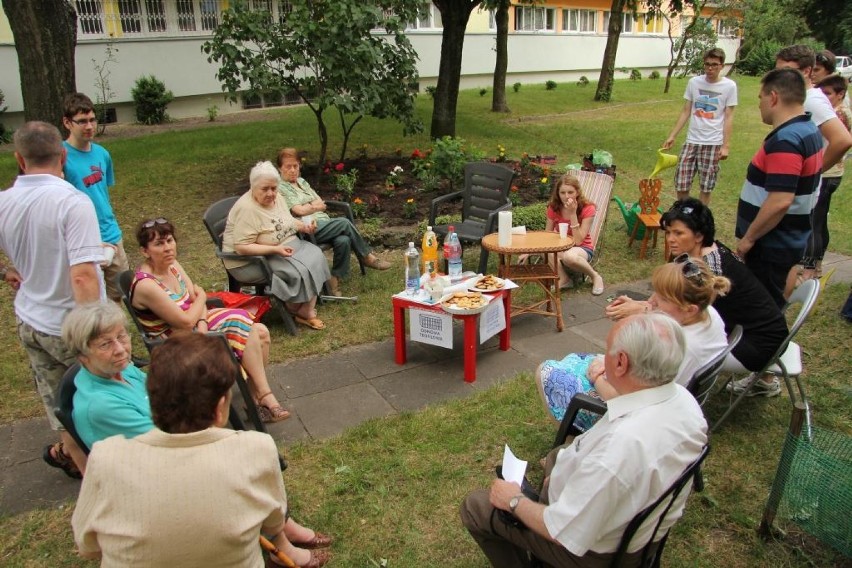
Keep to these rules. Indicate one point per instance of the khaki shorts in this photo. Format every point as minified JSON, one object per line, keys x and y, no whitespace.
{"x":111,"y":272}
{"x":49,"y":359}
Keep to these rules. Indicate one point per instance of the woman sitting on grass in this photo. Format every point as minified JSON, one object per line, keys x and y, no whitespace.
{"x":568,"y":205}
{"x":111,"y":397}
{"x":189,"y":492}
{"x":166,"y":299}
{"x":684,"y":290}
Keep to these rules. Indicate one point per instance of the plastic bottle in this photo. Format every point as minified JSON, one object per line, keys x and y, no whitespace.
{"x":412,"y":270}
{"x":453,"y":255}
{"x":430,"y":252}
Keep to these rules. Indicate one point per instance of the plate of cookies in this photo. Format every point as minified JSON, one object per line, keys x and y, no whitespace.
{"x":465,"y":303}
{"x":488,"y":283}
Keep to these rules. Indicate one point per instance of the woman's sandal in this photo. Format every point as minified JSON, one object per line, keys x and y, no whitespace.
{"x":54,"y":456}
{"x":313,"y":323}
{"x":320,"y":540}
{"x":318,"y":558}
{"x":270,"y":414}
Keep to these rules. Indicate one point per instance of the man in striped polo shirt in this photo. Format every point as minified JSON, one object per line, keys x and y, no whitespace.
{"x":773,"y":215}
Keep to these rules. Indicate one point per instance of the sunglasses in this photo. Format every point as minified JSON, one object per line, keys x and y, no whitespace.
{"x":690,"y":269}
{"x":152,"y":222}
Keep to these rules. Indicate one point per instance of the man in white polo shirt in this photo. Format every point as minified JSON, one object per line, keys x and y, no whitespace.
{"x":652,"y":431}
{"x":49,"y":231}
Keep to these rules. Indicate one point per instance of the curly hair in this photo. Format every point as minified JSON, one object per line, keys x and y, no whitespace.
{"x":555,"y":204}
{"x":187,"y":377}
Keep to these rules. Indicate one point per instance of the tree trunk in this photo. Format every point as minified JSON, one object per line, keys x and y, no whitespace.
{"x":607,"y":76}
{"x":498,"y":96}
{"x":455,"y":14}
{"x":45,"y":34}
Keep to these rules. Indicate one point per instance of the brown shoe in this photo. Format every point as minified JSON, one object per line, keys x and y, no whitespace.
{"x":320,"y":540}
{"x":376,"y":263}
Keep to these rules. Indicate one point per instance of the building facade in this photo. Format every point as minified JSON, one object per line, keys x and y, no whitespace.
{"x":558,"y":40}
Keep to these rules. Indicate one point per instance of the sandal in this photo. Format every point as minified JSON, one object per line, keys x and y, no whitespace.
{"x":318,"y":558}
{"x":320,"y":540}
{"x":597,"y":285}
{"x":313,"y":323}
{"x":269,"y":414}
{"x":54,"y":456}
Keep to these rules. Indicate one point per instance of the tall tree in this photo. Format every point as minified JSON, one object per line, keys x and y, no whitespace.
{"x":45,"y":34}
{"x":501,"y":62}
{"x":616,"y":24}
{"x":326,"y":52}
{"x":831,"y":22}
{"x":454,"y":15}
{"x":677,"y":45}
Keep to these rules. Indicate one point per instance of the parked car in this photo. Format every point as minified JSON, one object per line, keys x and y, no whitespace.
{"x":844,"y":66}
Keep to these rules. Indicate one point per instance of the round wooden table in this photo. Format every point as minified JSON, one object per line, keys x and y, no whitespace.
{"x":544,"y":243}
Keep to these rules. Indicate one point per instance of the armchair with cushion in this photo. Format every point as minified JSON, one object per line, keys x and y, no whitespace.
{"x":485,"y":193}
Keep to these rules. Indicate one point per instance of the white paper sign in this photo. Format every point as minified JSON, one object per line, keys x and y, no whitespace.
{"x":431,"y":327}
{"x":513,"y":468}
{"x":492,"y":320}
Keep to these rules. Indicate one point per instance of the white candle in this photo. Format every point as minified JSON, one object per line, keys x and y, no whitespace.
{"x":504,"y":228}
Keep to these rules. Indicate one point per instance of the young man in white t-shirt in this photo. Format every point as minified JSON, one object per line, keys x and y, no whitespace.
{"x":709,"y":107}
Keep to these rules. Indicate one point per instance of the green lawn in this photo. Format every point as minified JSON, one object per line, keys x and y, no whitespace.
{"x":402,"y":504}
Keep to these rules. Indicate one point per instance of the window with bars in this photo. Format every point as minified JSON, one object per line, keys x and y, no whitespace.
{"x":579,"y":20}
{"x":284,"y":8}
{"x":529,"y":19}
{"x":89,"y":17}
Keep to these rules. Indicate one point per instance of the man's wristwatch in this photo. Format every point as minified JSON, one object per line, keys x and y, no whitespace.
{"x":515,"y":501}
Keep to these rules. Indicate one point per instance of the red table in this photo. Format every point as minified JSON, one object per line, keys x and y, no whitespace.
{"x":471,"y":324}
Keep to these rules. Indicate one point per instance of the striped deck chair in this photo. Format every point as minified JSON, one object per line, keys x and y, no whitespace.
{"x":598,"y":189}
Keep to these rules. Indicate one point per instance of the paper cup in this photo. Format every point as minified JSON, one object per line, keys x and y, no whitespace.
{"x":109,"y":254}
{"x":563,"y":230}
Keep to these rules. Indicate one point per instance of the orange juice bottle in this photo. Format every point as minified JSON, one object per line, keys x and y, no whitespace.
{"x":430,"y":251}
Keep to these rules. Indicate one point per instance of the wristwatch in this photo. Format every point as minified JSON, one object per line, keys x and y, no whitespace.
{"x":515,"y":501}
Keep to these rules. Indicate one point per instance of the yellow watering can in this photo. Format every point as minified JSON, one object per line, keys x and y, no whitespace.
{"x":664,"y":162}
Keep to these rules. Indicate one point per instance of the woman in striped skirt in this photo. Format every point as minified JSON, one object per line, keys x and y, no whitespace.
{"x":165,"y":299}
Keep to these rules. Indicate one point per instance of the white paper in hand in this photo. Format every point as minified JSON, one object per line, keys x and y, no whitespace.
{"x":513,"y":468}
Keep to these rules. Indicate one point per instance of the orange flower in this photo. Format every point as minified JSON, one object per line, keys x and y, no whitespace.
{"x":409,"y":200}
{"x":358,"y":201}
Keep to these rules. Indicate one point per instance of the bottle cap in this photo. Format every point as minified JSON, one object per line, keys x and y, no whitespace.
{"x":428,"y":228}
{"x":451,"y":228}
{"x":411,"y":244}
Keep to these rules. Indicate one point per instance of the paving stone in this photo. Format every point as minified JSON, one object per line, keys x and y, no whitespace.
{"x":329,"y":413}
{"x":379,"y":359}
{"x":314,"y":374}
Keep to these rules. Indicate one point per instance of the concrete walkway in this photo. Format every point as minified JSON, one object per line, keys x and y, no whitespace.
{"x":331,"y":393}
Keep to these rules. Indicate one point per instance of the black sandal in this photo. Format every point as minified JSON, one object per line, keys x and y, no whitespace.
{"x":54,"y":456}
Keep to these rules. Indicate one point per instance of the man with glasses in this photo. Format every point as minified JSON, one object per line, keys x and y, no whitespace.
{"x":774,"y":210}
{"x":709,"y":107}
{"x":49,"y":231}
{"x":88,"y":167}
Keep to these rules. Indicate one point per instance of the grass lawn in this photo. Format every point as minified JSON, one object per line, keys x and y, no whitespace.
{"x":402,"y":504}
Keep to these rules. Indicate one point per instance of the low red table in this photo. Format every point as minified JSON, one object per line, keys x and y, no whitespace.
{"x":471,"y":324}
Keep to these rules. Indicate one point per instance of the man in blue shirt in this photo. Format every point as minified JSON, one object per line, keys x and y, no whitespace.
{"x":88,"y":167}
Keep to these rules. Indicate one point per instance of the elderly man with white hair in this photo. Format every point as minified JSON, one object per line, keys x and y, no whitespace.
{"x":652,"y":431}
{"x":260,"y":224}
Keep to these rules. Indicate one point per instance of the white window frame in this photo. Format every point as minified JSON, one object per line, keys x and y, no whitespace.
{"x":535,"y":19}
{"x":429,"y":19}
{"x":641,"y":25}
{"x":579,"y":20}
{"x":626,"y":25}
{"x":725,"y":28}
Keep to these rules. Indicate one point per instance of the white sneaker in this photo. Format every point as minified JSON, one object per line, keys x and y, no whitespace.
{"x":760,"y":387}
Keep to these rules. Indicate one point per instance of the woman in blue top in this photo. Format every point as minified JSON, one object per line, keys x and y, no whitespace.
{"x":111,"y":398}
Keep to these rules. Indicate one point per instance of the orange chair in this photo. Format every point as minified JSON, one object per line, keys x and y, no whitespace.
{"x":649,"y":217}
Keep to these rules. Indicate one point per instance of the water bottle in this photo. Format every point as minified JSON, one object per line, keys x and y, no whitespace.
{"x":412,"y":270}
{"x":430,"y":252}
{"x":453,"y":255}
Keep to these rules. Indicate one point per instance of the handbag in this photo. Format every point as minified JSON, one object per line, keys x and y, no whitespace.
{"x":254,"y":305}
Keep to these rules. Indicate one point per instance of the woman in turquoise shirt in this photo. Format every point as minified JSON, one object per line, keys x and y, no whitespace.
{"x":111,"y":397}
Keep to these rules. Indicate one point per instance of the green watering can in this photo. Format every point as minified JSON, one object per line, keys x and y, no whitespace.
{"x":631,"y":215}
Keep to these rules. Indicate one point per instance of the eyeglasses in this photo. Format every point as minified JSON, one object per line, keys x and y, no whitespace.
{"x":690,"y":269}
{"x":712,"y":65}
{"x":84,"y":121}
{"x":106,"y":345}
{"x":152,"y":222}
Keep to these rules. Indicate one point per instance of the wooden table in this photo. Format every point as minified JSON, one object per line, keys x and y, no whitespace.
{"x":545,"y":243}
{"x":471,"y":328}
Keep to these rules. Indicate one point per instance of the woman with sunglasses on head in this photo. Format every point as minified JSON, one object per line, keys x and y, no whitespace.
{"x":683,"y":290}
{"x":690,"y":229}
{"x":166,"y":299}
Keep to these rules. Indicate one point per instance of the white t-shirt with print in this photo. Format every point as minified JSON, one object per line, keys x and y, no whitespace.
{"x":709,"y":101}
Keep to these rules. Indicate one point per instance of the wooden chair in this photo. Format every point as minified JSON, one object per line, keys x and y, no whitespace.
{"x":649,"y":217}
{"x":485,"y":193}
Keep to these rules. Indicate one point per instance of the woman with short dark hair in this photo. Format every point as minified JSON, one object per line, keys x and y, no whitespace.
{"x":189,"y":492}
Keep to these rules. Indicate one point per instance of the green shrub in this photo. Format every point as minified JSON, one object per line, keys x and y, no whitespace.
{"x":482,"y":92}
{"x":5,"y":135}
{"x":445,"y":161}
{"x":583,"y":81}
{"x":760,"y":59}
{"x":516,"y":87}
{"x":635,"y":75}
{"x":550,"y":85}
{"x":431,"y":90}
{"x":151,"y":98}
{"x":533,"y":217}
{"x":654,"y":75}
